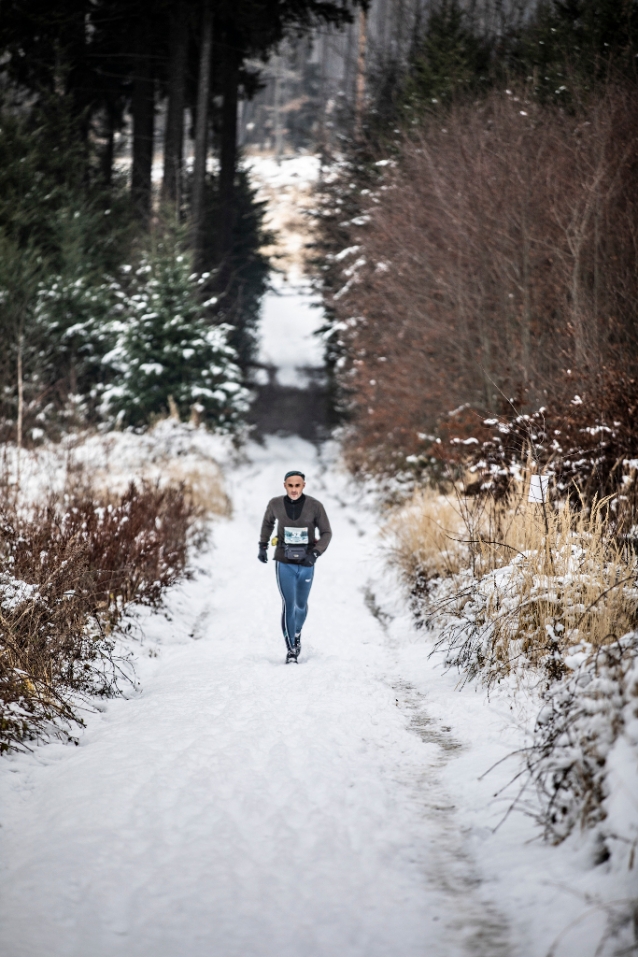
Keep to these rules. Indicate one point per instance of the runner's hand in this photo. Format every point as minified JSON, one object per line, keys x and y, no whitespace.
{"x":263,"y":553}
{"x":311,"y":558}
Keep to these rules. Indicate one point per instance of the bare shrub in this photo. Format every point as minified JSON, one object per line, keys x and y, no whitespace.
{"x":542,"y":591}
{"x":587,"y":448}
{"x":70,"y":569}
{"x":499,"y":251}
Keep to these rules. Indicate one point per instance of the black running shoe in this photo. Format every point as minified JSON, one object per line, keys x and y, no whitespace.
{"x":291,"y":656}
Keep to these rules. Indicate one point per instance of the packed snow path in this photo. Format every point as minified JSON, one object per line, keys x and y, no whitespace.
{"x":239,"y":807}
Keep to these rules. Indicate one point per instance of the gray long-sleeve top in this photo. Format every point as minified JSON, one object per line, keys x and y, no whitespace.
{"x":313,"y":517}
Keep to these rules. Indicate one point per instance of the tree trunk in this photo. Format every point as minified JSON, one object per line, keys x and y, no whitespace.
{"x":106,"y":161}
{"x":360,"y":90}
{"x":201,"y":135}
{"x":526,"y":329}
{"x":174,"y":134}
{"x":228,"y":161}
{"x":277,"y":110}
{"x":143,"y":108}
{"x":20,"y":420}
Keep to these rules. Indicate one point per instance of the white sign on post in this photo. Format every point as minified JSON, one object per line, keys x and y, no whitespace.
{"x":538,"y":487}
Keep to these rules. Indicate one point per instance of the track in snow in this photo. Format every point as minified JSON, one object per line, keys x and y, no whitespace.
{"x":239,"y":807}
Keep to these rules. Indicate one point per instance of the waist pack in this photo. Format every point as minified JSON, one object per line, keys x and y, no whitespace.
{"x":295,"y":553}
{"x":296,"y":541}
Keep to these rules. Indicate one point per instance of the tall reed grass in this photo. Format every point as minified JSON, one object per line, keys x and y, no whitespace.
{"x":515,"y":580}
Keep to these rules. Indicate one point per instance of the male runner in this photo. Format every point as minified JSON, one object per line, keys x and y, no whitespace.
{"x":298,"y":517}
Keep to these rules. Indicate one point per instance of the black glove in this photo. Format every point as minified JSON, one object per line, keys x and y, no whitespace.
{"x":263,"y":553}
{"x":310,"y":558}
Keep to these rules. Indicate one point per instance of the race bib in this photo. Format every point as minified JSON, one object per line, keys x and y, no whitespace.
{"x":295,"y":536}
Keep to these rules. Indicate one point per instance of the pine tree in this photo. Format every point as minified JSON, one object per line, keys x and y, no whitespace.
{"x":76,"y":322}
{"x":168,"y":356}
{"x":451,"y":59}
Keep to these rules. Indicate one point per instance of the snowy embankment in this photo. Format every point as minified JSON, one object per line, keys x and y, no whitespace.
{"x":237,"y":806}
{"x":90,"y":527}
{"x":171,"y":452}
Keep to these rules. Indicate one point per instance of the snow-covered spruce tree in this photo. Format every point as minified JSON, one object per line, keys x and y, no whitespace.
{"x":78,"y":320}
{"x":167,"y":354}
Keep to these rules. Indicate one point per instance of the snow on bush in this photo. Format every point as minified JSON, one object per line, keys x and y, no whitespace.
{"x":495,"y":573}
{"x":106,"y":461}
{"x":586,"y":448}
{"x":69,"y":569}
{"x":534,"y":581}
{"x":78,"y":324}
{"x":167,"y":356}
{"x":90,"y":525}
{"x":132,"y":349}
{"x":585,"y":714}
{"x":14,"y":592}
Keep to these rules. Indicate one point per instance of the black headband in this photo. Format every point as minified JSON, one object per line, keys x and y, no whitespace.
{"x":294,"y":472}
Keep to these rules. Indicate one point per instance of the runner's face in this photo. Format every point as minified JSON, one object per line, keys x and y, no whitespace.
{"x":294,"y":486}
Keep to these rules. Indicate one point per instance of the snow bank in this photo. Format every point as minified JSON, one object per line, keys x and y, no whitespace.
{"x":170,"y":452}
{"x":291,"y":171}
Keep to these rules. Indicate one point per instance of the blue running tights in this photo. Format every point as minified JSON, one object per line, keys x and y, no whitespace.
{"x":295,"y":582}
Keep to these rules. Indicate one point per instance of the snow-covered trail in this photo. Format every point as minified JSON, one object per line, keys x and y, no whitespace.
{"x":239,"y":807}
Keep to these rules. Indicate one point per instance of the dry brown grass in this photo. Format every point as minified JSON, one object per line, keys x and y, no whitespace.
{"x":197,"y":474}
{"x":568,"y":580}
{"x":203,"y":486}
{"x":523,"y":579}
{"x":546,"y":592}
{"x":425,"y":536}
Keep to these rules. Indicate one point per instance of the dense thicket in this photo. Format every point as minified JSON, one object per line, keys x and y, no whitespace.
{"x":78,"y":220}
{"x":70,"y":569}
{"x":489,"y":246}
